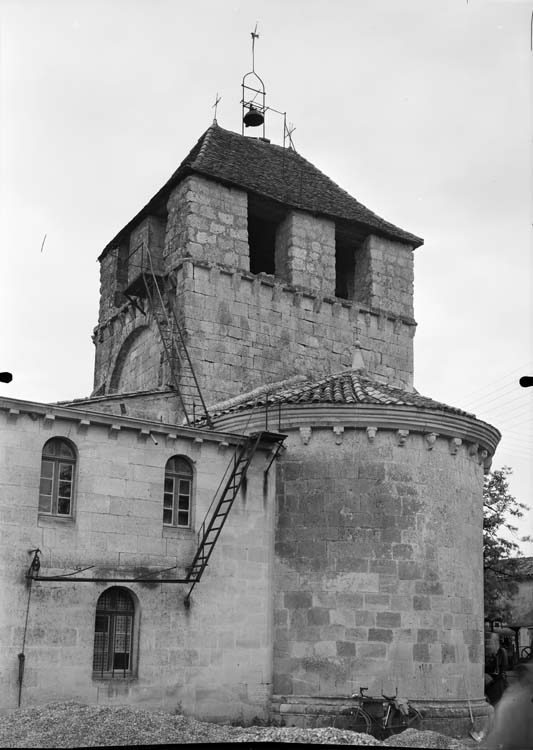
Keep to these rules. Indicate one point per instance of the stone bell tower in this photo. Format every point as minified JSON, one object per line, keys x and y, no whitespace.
{"x":267,"y":269}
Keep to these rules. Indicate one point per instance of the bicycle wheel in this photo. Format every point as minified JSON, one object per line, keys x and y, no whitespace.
{"x":354,"y":719}
{"x":398,"y":721}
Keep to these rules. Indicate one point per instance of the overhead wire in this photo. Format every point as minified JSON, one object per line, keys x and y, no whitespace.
{"x":514,"y":403}
{"x":489,"y":389}
{"x":513,"y":394}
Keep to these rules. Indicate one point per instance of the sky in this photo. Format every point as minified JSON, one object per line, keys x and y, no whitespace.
{"x":421,"y":110}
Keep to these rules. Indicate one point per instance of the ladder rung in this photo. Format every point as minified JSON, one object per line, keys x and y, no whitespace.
{"x":235,"y":481}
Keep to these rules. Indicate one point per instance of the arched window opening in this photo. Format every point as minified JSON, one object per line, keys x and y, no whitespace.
{"x":56,"y":490}
{"x":177,"y":499}
{"x":113,"y":634}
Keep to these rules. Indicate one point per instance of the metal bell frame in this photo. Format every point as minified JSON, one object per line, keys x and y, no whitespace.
{"x":250,"y":108}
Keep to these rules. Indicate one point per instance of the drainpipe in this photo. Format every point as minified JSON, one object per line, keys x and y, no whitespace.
{"x":32,"y":570}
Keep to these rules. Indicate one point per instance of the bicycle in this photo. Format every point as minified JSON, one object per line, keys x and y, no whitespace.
{"x":396,"y":715}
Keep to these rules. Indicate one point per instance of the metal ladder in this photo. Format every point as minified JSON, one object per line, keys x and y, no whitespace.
{"x":212,"y":524}
{"x":167,"y":324}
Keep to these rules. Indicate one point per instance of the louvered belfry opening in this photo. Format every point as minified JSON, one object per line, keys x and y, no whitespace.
{"x":113,"y":634}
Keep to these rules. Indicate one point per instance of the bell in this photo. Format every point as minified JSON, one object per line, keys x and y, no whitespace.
{"x":253,"y":118}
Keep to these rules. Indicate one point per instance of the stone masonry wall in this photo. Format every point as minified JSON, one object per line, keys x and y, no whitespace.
{"x":305,"y":252}
{"x":138,"y":364}
{"x":149,"y":235}
{"x":181,"y":660}
{"x":245,"y":331}
{"x":378,"y":567}
{"x":384,"y":275}
{"x":108,"y":286}
{"x":114,"y":339}
{"x":208,"y":222}
{"x":158,"y":406}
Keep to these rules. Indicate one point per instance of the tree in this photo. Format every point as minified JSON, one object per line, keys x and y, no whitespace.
{"x":499,"y":553}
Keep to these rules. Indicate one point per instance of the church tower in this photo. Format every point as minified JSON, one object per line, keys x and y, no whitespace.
{"x":248,"y":266}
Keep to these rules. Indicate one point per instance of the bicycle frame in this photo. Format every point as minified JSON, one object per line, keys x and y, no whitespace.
{"x":393,"y":709}
{"x":387,"y":706}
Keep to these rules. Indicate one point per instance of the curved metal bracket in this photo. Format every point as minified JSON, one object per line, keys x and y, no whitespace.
{"x":249,"y":96}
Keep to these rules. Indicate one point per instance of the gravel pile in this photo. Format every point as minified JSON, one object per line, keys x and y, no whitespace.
{"x":73,"y":724}
{"x":415,"y":738}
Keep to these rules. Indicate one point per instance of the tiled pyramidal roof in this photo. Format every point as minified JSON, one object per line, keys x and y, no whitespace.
{"x":345,"y":388}
{"x":273,"y":172}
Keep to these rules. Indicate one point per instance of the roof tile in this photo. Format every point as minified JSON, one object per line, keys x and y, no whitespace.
{"x":346,"y":387}
{"x":270,"y":171}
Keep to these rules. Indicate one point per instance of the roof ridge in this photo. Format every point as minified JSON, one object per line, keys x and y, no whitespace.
{"x":206,"y":138}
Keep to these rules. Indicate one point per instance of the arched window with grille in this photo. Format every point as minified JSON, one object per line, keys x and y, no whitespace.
{"x":56,"y":489}
{"x":177,"y":498}
{"x":113,"y":634}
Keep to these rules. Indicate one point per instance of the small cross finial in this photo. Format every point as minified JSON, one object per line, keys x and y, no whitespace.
{"x":217,"y":99}
{"x":289,"y":130}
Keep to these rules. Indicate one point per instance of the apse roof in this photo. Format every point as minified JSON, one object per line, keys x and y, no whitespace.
{"x":344,"y":388}
{"x":270,"y":171}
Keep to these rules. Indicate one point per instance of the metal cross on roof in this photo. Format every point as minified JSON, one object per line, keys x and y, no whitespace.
{"x":217,"y":99}
{"x":288,"y":131}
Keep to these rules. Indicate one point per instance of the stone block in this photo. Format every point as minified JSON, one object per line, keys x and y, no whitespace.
{"x":421,"y":602}
{"x":356,"y":634}
{"x":298,"y":600}
{"x":383,"y":566}
{"x":345,"y":648}
{"x":366,"y":618}
{"x":475,"y":654}
{"x":409,"y":570}
{"x":428,"y":587}
{"x":318,"y":616}
{"x":380,"y":634}
{"x":402,"y":551}
{"x":352,"y":601}
{"x":400,"y":652}
{"x":427,"y":635}
{"x":388,"y":619}
{"x":282,"y":684}
{"x":448,"y":653}
{"x":377,"y":601}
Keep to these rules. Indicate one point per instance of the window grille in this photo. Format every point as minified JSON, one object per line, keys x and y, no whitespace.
{"x":113,"y":634}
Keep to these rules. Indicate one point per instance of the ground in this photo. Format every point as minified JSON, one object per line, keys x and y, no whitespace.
{"x":74,"y":724}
